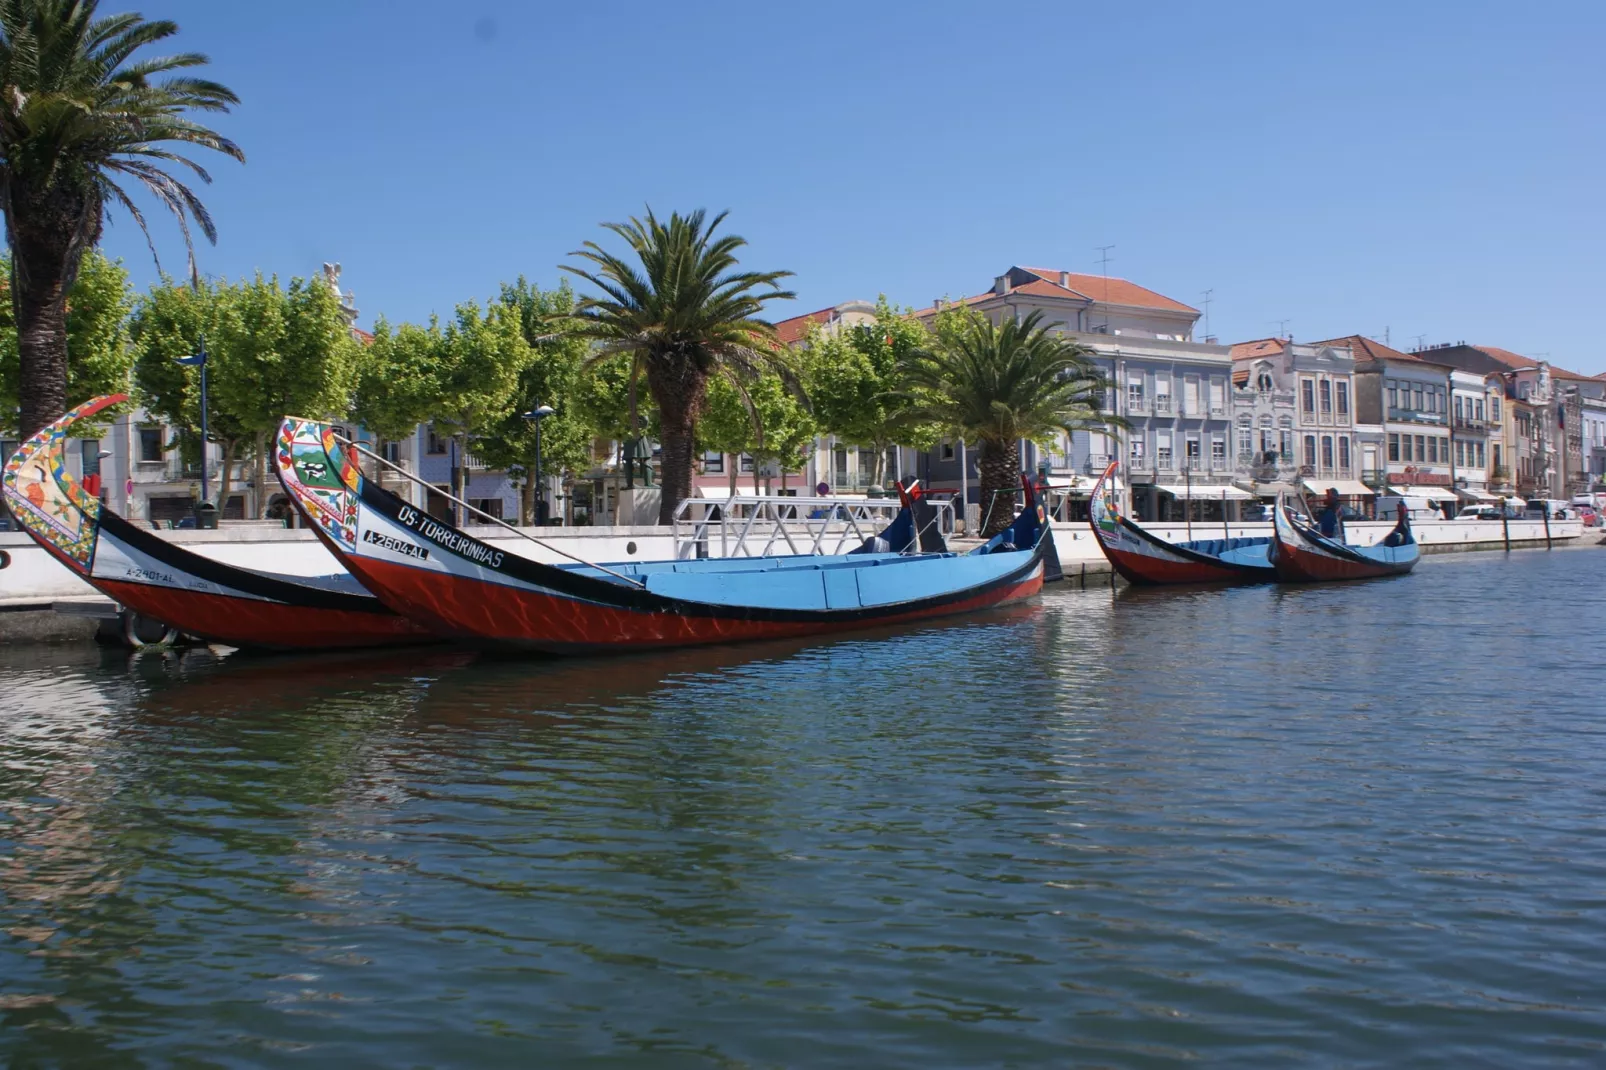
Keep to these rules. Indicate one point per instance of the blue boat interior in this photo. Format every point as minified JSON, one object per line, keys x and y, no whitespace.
{"x":1244,"y":551}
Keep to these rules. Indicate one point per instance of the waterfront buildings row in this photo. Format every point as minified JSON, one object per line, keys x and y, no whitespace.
{"x":1206,"y":427}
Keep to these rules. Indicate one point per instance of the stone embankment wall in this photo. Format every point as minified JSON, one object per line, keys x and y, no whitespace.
{"x":33,"y":582}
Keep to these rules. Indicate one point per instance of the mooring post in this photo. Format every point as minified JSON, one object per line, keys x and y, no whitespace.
{"x":1505,"y":522}
{"x":1547,"y":526}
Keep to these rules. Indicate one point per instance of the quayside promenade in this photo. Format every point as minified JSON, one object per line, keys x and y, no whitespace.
{"x":40,"y":600}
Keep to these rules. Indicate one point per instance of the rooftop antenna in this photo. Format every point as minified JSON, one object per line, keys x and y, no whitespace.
{"x":1421,"y":342}
{"x":1104,"y":267}
{"x":1207,"y":299}
{"x":1282,"y":327}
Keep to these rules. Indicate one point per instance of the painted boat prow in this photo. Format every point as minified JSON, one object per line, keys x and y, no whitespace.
{"x":164,"y":582}
{"x":1301,"y":554}
{"x":461,"y":587}
{"x":1141,"y":557}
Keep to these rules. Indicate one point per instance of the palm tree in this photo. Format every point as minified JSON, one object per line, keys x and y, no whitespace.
{"x":684,"y":313}
{"x":995,"y":385}
{"x":77,"y":115}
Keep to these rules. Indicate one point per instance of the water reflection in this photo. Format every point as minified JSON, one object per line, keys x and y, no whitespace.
{"x":1114,"y":826}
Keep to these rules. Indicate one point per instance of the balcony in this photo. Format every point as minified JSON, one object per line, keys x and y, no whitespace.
{"x":1464,"y":424}
{"x":1415,"y":415}
{"x":1162,"y":405}
{"x":1243,"y":397}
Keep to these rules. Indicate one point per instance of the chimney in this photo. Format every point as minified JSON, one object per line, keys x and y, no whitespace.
{"x":1065,"y":279}
{"x":1001,"y":284}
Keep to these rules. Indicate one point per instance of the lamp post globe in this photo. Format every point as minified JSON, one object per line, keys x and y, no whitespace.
{"x":535,"y":416}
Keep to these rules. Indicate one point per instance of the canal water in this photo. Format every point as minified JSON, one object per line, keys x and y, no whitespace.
{"x":1346,"y":825}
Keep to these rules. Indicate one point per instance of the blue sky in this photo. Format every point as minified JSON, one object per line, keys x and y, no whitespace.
{"x":1428,"y":169}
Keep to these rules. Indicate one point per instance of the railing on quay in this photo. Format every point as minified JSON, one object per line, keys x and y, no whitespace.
{"x":759,"y":525}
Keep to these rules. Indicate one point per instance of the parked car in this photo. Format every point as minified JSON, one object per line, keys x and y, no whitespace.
{"x":1479,"y":512}
{"x":1557,"y":509}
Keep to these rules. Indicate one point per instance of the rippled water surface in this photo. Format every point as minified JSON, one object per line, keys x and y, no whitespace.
{"x":1347,"y":825}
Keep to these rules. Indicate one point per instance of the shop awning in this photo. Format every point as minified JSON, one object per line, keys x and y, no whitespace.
{"x":1432,"y":494}
{"x":1466,"y":494}
{"x":1347,"y":488}
{"x":1267,"y":490}
{"x":1209,"y":492}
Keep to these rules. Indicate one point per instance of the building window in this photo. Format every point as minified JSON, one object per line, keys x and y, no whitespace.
{"x":1458,"y":415}
{"x":1307,"y":396}
{"x":1327,"y":397}
{"x":1134,"y":397}
{"x":1343,"y":397}
{"x":1343,"y":453}
{"x":1263,"y":380}
{"x":744,"y":463}
{"x":1246,"y":437}
{"x":1421,"y":450}
{"x":1460,"y":451}
{"x":1310,"y":450}
{"x":1477,"y":405}
{"x":1433,"y":450}
{"x":1479,"y":446}
{"x":435,"y":443}
{"x":1162,"y":454}
{"x":1494,"y":409}
{"x":713,"y":463}
{"x":1136,"y":449}
{"x":947,"y":451}
{"x":150,"y":445}
{"x":1394,"y":395}
{"x":1190,"y":450}
{"x":1286,"y":448}
{"x":1394,"y":448}
{"x":1162,"y":396}
{"x":1327,"y":451}
{"x":1218,"y":452}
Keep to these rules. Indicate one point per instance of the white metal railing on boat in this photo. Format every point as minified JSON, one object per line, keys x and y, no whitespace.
{"x":763,"y":525}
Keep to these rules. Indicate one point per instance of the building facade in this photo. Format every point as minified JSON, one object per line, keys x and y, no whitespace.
{"x":1411,"y":399}
{"x":1171,"y":391}
{"x":1294,"y":418}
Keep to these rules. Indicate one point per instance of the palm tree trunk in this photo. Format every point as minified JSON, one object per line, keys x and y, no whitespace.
{"x":40,"y":306}
{"x":1000,"y":475}
{"x":679,"y":392}
{"x":48,"y":230}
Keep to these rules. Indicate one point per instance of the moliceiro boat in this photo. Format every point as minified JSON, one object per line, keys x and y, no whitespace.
{"x":163,"y":582}
{"x":1302,"y":554}
{"x":469,"y":590}
{"x":1146,"y":559}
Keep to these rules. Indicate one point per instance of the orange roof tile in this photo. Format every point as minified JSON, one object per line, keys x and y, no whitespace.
{"x":1108,"y":290}
{"x":1507,"y":357}
{"x":1260,"y":347}
{"x":797,"y":328}
{"x":365,"y":337}
{"x":1371,"y":349}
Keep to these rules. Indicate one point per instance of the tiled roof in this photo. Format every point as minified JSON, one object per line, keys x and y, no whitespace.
{"x":1260,"y":347}
{"x":1511,"y":360}
{"x":365,"y":337}
{"x":1109,"y":290}
{"x":1371,"y":349}
{"x":1070,"y":285}
{"x":797,"y":328}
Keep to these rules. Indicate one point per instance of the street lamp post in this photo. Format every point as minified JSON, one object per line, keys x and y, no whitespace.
{"x":535,"y":416}
{"x":198,"y":360}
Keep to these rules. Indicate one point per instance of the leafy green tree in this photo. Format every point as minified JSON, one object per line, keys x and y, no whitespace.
{"x":550,"y":377}
{"x":686,"y":313}
{"x":398,"y":381}
{"x":99,"y":359}
{"x":762,"y":419}
{"x":78,"y":114}
{"x":995,"y":385}
{"x":854,"y":376}
{"x":479,"y":357}
{"x":270,"y":351}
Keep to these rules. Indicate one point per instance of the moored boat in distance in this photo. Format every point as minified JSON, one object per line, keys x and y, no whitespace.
{"x":163,"y":582}
{"x":1302,"y":554}
{"x":469,"y":590}
{"x":1141,"y":557}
